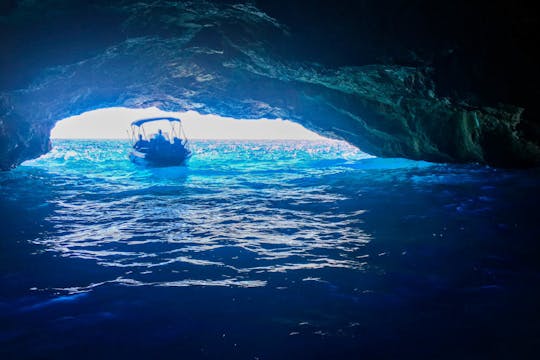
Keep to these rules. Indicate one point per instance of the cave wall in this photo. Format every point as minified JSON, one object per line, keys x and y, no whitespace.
{"x":413,"y":79}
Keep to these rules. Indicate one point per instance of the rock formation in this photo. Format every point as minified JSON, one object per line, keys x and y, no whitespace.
{"x":433,"y":97}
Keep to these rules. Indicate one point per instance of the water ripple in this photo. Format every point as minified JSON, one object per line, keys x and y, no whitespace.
{"x":234,"y":215}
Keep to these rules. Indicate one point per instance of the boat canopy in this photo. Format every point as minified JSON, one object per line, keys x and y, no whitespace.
{"x":144,"y":121}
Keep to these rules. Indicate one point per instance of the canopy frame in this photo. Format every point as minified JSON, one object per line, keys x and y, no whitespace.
{"x":147,"y":120}
{"x":138,"y":128}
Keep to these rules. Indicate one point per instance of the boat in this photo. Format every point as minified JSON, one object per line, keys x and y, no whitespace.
{"x":161,"y":148}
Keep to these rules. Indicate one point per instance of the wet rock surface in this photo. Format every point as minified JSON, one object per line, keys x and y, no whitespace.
{"x":419,"y":98}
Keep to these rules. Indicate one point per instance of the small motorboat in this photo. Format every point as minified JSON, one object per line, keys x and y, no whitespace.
{"x":161,"y":148}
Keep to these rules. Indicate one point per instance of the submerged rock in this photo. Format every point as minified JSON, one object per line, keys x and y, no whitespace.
{"x":234,"y":59}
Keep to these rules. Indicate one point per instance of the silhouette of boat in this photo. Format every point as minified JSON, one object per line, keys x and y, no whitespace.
{"x":161,"y":148}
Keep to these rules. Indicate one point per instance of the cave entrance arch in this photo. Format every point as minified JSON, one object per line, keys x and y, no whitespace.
{"x":236,"y":60}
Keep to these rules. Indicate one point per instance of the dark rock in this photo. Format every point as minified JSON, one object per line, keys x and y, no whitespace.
{"x":414,"y":80}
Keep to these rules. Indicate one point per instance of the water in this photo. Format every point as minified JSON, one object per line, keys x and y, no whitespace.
{"x":266,"y":250}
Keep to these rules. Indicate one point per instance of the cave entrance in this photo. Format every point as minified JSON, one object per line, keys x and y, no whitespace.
{"x":113,"y":123}
{"x":99,"y":140}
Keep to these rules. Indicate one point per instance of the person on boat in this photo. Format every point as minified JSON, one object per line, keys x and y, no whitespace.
{"x":141,"y":143}
{"x":159,"y":137}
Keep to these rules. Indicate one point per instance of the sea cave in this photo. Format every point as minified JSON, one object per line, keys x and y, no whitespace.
{"x":401,"y":224}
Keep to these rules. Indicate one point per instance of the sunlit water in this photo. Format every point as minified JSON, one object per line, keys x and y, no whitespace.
{"x":266,"y":250}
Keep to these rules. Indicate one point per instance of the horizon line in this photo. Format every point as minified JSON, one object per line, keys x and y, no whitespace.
{"x":190,"y":139}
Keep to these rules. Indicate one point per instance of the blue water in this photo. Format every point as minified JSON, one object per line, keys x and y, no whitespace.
{"x":266,"y":250}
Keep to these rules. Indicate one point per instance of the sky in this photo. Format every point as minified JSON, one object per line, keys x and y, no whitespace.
{"x":113,"y":123}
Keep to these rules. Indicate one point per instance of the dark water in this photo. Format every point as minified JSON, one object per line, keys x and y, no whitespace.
{"x":268,"y":250}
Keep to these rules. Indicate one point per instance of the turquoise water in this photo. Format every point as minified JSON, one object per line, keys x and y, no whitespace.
{"x":265,"y":250}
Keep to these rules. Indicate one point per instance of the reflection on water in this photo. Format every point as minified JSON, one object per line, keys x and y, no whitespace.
{"x":313,"y":244}
{"x":235,"y":214}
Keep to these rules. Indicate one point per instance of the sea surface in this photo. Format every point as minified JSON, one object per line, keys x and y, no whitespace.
{"x":266,"y":250}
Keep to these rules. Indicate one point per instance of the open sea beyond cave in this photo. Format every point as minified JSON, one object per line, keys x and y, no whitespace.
{"x":266,"y":250}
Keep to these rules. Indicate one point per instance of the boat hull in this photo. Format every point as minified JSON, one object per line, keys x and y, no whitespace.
{"x":159,"y":159}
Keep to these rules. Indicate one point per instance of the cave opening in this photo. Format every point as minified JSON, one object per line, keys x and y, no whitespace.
{"x":106,"y":136}
{"x":114,"y":122}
